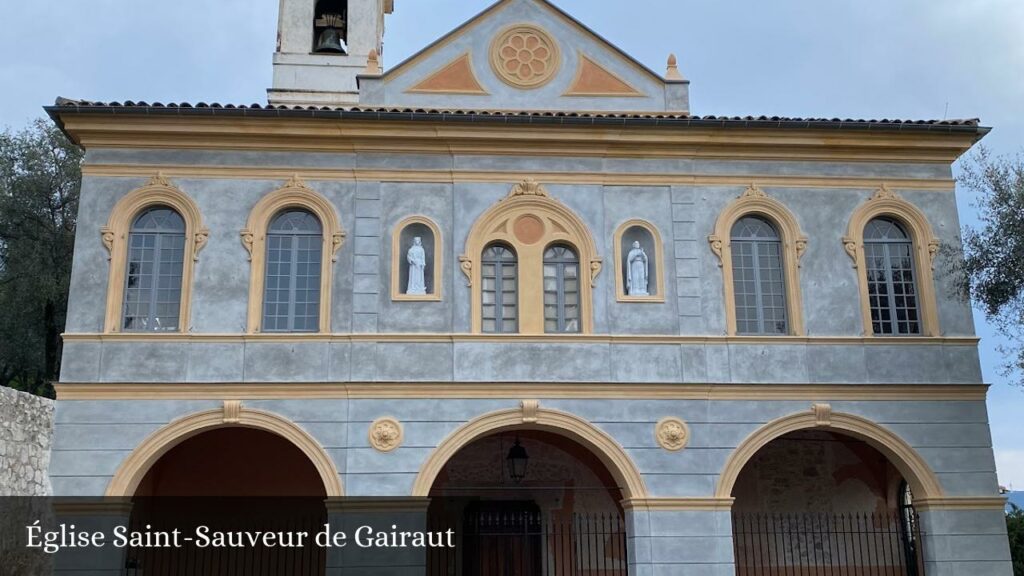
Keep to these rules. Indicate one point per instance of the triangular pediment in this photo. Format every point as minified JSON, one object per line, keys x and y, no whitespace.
{"x":524,"y":55}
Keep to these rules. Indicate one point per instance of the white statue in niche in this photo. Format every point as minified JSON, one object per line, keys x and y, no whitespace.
{"x":417,"y":258}
{"x":637,"y":272}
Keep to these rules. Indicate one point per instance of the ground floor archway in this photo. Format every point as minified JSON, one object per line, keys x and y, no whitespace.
{"x":556,"y":510}
{"x":228,"y":472}
{"x":820,"y":501}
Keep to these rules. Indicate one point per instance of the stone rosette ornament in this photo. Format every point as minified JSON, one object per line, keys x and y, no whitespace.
{"x":525,"y":56}
{"x":386,"y":434}
{"x":672,"y":434}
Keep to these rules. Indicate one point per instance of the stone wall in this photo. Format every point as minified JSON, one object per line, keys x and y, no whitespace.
{"x":26,"y":432}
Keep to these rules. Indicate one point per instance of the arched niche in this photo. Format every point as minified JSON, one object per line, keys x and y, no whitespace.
{"x":646,"y":234}
{"x":402,"y":239}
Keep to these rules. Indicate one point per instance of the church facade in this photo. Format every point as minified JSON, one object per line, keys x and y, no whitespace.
{"x":514,"y":274}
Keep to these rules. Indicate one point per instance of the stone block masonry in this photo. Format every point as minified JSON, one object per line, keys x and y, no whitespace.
{"x":26,"y":433}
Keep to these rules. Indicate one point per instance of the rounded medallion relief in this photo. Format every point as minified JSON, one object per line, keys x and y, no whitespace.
{"x":524,"y":56}
{"x":672,"y":434}
{"x":386,"y":434}
{"x":528,"y":229}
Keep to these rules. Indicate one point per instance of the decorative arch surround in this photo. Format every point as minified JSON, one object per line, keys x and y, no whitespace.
{"x":529,"y":220}
{"x":157,"y":192}
{"x":398,"y":253}
{"x":134,"y":468}
{"x":656,"y":263}
{"x":754,"y":202}
{"x":885,"y":202}
{"x":530,"y":416}
{"x":294,"y":194}
{"x":923,"y":481}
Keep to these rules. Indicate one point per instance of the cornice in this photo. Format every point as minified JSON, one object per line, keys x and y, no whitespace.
{"x":417,"y":337}
{"x":486,"y":390}
{"x":109,"y":170}
{"x":508,"y":138}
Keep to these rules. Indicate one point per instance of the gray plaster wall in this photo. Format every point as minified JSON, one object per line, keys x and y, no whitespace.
{"x":94,"y":437}
{"x":683,"y":215}
{"x":26,"y":433}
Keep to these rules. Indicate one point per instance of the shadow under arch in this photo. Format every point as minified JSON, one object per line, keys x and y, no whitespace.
{"x":532,"y":417}
{"x":134,"y":468}
{"x":922,"y":480}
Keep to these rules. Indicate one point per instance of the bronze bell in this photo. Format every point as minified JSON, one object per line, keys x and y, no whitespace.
{"x":330,"y":41}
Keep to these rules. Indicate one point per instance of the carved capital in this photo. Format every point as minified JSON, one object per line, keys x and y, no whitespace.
{"x":296,"y":181}
{"x":337,"y":241}
{"x":933,"y":250}
{"x":529,"y":187}
{"x":108,"y":236}
{"x":672,"y":434}
{"x":595,"y":268}
{"x":159,"y":180}
{"x":200,"y":239}
{"x":753,"y":191}
{"x":530,"y":409}
{"x":851,"y":247}
{"x":248,"y":241}
{"x":386,"y":434}
{"x":801,"y":248}
{"x":884,"y":193}
{"x":232,"y":411}
{"x":717,"y":246}
{"x":822,"y":415}
{"x":466,"y":265}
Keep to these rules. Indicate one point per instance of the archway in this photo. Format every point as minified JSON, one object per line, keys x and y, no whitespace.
{"x":230,"y":471}
{"x":530,"y":416}
{"x":821,"y":489}
{"x":556,"y":511}
{"x":134,"y":468}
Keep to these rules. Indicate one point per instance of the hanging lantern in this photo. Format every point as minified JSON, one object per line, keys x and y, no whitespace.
{"x":517,"y":460}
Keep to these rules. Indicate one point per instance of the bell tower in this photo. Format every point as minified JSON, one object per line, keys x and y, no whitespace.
{"x":322,"y":45}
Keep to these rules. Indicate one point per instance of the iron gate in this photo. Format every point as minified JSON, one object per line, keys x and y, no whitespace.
{"x":527,"y":543}
{"x":827,"y":544}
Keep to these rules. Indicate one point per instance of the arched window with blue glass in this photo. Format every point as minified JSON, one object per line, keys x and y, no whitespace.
{"x":155,"y":266}
{"x":561,"y":290}
{"x":759,"y":283}
{"x":291,"y":294}
{"x":892,"y":283}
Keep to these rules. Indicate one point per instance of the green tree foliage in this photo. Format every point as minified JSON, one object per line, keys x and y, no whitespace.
{"x":40,"y":179}
{"x":992,"y":270}
{"x":1015,"y":527}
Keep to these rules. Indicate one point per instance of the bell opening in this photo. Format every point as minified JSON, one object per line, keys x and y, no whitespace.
{"x":330,"y":27}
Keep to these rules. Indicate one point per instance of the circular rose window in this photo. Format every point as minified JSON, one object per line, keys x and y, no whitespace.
{"x":524,"y":56}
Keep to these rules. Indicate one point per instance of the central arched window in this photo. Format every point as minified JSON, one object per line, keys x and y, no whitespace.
{"x":291,"y":294}
{"x":759,"y":283}
{"x":499,"y":291}
{"x":561,"y":290}
{"x":156,"y":258}
{"x":892,"y":287}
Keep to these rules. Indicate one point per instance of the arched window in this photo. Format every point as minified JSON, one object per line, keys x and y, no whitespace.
{"x":892,"y":288}
{"x":759,"y":285}
{"x":291,"y":294}
{"x":529,"y":223}
{"x":759,"y":243}
{"x":893,"y":248}
{"x":155,"y":264}
{"x":499,"y":290}
{"x":561,"y":290}
{"x":307,"y":222}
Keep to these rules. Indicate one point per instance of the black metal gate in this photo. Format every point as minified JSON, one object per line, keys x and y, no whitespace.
{"x":526,"y":542}
{"x":827,"y":544}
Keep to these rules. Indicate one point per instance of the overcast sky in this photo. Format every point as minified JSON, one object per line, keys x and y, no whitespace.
{"x":921,"y":59}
